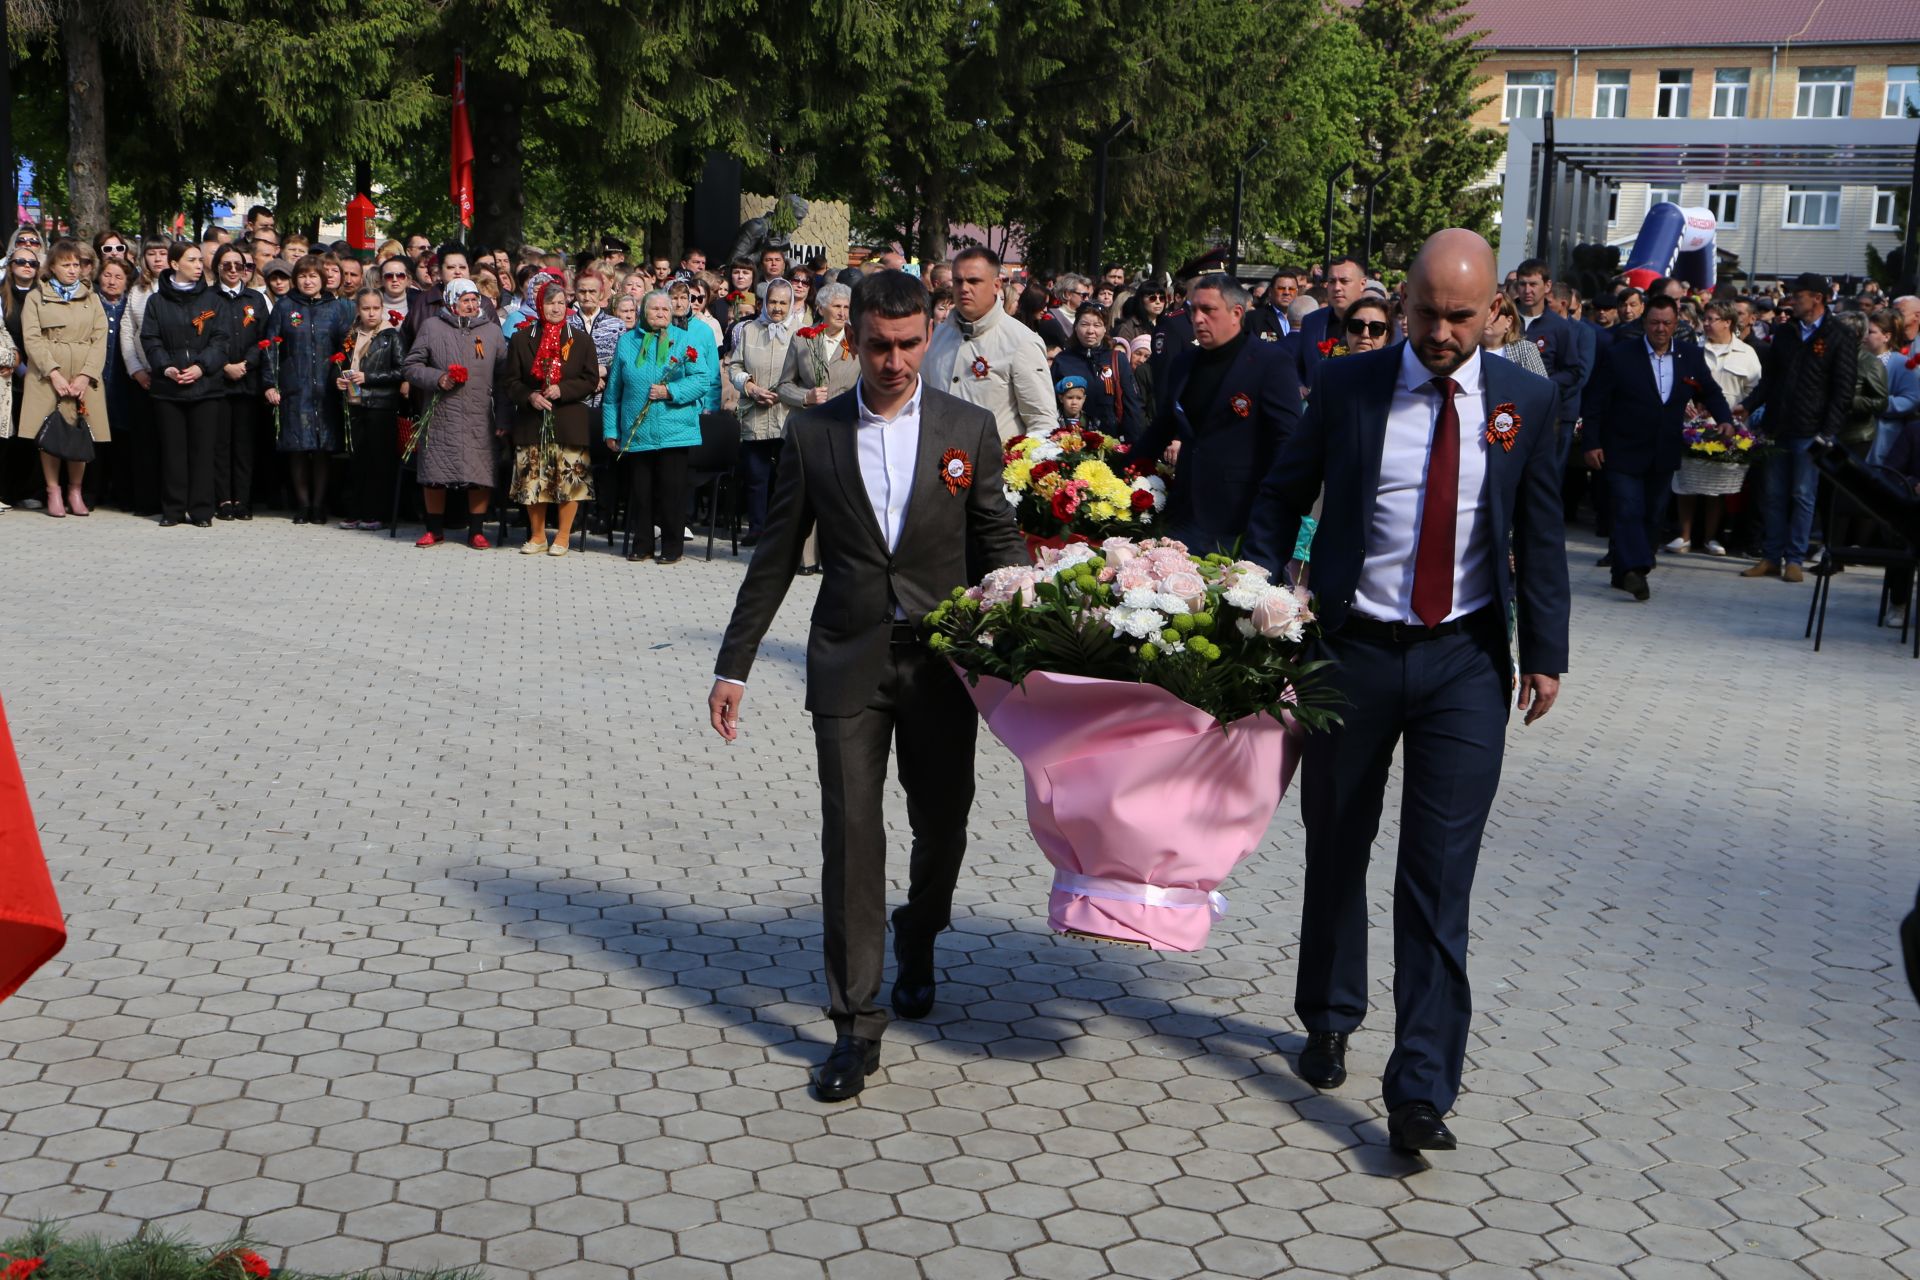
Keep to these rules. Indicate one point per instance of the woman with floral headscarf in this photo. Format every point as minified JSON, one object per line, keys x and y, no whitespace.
{"x":650,"y":418}
{"x":552,"y":367}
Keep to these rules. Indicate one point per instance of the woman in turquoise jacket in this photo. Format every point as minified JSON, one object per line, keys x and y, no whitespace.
{"x":660,"y":379}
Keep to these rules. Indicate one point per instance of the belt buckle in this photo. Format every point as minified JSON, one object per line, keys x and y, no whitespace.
{"x":1401,"y":632}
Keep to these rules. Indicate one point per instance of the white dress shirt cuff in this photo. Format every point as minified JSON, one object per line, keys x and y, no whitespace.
{"x":730,"y":680}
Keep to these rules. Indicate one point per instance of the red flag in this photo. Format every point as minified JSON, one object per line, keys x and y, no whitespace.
{"x":462,"y":178}
{"x":31,"y":927}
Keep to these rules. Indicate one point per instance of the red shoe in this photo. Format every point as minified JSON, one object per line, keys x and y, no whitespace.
{"x":429,"y":539}
{"x":479,"y":542}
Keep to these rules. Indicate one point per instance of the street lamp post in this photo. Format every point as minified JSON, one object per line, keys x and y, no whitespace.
{"x":1101,"y":143}
{"x":1239,"y":197}
{"x":1333,"y":181}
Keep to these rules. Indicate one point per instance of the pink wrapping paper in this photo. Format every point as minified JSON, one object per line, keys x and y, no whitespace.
{"x":1140,"y":801}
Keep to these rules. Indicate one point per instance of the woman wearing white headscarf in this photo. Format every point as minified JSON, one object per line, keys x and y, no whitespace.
{"x":753,"y":367}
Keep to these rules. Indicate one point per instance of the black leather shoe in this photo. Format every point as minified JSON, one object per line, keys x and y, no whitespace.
{"x":203,"y":522}
{"x":913,"y":985}
{"x":1416,"y":1126}
{"x":168,"y":522}
{"x":1635,"y":585}
{"x":1323,"y":1063}
{"x":846,"y":1069}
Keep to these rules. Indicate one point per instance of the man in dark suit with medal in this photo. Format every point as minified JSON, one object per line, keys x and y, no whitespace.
{"x":902,"y":484}
{"x":1635,"y":420}
{"x":1436,"y":461}
{"x":1229,"y":401}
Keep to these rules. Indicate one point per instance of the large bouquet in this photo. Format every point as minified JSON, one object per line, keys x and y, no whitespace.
{"x":1704,"y":440}
{"x":1153,"y":698}
{"x":1075,"y":483}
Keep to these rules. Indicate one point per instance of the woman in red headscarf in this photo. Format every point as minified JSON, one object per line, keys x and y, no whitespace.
{"x":551,"y":370}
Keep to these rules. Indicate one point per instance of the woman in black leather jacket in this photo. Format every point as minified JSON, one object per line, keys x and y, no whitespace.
{"x":369,"y":379}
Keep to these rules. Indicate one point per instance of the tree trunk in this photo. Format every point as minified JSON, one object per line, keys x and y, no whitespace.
{"x":500,"y":202}
{"x":676,"y":230}
{"x":932,"y":246}
{"x":1162,"y":248}
{"x":86,"y":121}
{"x":286,"y":191}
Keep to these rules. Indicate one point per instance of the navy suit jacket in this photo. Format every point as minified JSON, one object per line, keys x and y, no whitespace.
{"x":1225,"y":451}
{"x":1338,"y":448}
{"x":1311,"y":333}
{"x":1171,"y":334}
{"x":1569,"y":358}
{"x":1625,"y":415}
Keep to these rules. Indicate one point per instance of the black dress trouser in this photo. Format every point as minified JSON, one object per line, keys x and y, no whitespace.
{"x":922,"y":712}
{"x":233,"y":450}
{"x":189,"y":431}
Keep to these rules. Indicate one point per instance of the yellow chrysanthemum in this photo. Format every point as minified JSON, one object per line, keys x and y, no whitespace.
{"x":1102,"y":510}
{"x":1019,"y":474}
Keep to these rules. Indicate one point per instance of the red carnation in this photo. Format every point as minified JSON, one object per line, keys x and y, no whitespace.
{"x":253,"y":1264}
{"x":457,"y":372}
{"x":1141,"y":500}
{"x":1327,"y":345}
{"x":394,"y":318}
{"x":265,"y":343}
{"x":338,"y":357}
{"x":693,"y":353}
{"x":278,"y":340}
{"x":21,"y":1268}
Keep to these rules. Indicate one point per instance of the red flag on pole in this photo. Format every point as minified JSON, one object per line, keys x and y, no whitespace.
{"x":462,"y":179}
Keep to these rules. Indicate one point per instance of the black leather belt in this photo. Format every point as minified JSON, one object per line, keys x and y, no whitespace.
{"x":905,"y":633}
{"x":1364,"y":628}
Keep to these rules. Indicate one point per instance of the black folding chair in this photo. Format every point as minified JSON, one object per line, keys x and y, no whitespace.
{"x":1883,"y":495}
{"x":713,"y":470}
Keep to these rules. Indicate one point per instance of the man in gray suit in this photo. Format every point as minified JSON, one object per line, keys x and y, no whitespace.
{"x":902,"y":484}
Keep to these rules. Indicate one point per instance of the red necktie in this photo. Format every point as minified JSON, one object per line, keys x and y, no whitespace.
{"x":1433,"y":558}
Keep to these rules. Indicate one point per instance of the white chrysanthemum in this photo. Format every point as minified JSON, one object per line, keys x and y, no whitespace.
{"x":1141,"y":624}
{"x":1169,"y":604}
{"x":1155,"y":486}
{"x":1246,"y":595}
{"x":1046,"y":451}
{"x":1139,"y":598}
{"x":1013,"y":499}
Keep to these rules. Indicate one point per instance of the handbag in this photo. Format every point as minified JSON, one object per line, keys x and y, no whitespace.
{"x":68,"y":441}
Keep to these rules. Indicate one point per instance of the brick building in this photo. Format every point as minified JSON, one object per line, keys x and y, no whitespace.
{"x":1771,"y":59}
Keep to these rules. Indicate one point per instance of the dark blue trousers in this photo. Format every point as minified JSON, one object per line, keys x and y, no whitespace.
{"x":1639,"y":507}
{"x":1447,"y":698}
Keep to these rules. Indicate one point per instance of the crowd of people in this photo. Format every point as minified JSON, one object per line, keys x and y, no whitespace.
{"x":252,"y":369}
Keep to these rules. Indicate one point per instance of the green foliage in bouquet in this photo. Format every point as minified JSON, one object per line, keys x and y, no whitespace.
{"x":1213,"y":631}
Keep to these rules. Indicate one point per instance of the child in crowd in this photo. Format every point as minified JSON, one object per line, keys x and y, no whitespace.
{"x":1070,"y":396}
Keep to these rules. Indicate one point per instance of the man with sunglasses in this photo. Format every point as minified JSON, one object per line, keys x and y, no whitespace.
{"x":1268,"y":321}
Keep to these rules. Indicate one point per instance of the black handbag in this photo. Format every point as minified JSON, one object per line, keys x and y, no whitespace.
{"x":68,"y":441}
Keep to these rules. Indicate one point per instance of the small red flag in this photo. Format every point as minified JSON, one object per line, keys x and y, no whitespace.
{"x":462,"y":177}
{"x":31,"y":926}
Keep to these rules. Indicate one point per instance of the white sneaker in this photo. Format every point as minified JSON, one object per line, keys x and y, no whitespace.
{"x":5,"y":507}
{"x":1715,"y":549}
{"x":1677,"y":547}
{"x":32,"y":504}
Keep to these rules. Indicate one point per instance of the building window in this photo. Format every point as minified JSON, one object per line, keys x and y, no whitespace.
{"x":1676,"y":95}
{"x":1730,"y":92}
{"x":1656,"y":194}
{"x":1723,"y":202}
{"x":1825,"y":93}
{"x":1529,"y":95}
{"x":1812,"y":209}
{"x":1613,"y":204}
{"x":1903,"y":92}
{"x":1610,"y":95}
{"x":1889,"y":209}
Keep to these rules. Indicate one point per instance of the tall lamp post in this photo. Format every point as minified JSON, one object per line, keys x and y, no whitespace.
{"x":1333,"y":182}
{"x":1100,"y":145}
{"x":1239,"y":197}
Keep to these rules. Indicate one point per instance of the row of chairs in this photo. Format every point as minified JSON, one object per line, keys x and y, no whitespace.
{"x":713,"y":481}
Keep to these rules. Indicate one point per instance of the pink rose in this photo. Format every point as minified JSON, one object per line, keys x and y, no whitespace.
{"x":1002,"y":585}
{"x":1277,"y":616}
{"x":1189,"y":586}
{"x":1120,"y":552}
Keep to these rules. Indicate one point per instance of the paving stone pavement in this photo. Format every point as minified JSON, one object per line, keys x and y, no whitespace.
{"x":417,"y":919}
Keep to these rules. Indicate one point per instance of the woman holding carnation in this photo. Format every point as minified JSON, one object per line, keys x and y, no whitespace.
{"x":820,"y":363}
{"x":369,"y":379}
{"x":650,"y":418}
{"x":552,"y":368}
{"x":456,"y":360}
{"x":307,"y":330}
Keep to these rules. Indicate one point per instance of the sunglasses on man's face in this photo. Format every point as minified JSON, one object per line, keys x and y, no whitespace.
{"x":1372,"y":328}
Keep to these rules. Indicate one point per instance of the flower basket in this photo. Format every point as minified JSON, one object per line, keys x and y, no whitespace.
{"x":1143,"y":803}
{"x":32,"y":930}
{"x":1704,"y":476}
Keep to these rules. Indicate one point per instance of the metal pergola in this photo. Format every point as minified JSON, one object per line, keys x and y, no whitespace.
{"x":1560,"y":173}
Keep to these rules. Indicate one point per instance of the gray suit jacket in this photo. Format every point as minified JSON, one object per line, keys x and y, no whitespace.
{"x":948,"y":540}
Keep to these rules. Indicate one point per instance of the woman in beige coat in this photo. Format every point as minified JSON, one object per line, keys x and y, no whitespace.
{"x":753,"y":367}
{"x":63,"y":331}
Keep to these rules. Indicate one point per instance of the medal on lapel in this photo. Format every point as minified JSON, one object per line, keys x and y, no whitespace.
{"x":1503,"y":425}
{"x":1241,"y":404}
{"x":956,"y":470}
{"x":980,"y":367}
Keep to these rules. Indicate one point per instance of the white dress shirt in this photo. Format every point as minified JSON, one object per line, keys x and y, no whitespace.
{"x":1385,"y":589}
{"x":889,"y":451}
{"x":1662,"y":370}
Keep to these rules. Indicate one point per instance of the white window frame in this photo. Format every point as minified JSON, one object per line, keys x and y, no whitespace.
{"x":1887,"y":197}
{"x":1540,"y":93}
{"x":1657,"y":193}
{"x":1825,"y":98}
{"x":1673,"y":98}
{"x":1794,"y":213}
{"x":1614,"y":95}
{"x":1903,"y":86}
{"x":1723,"y":196}
{"x":1733,"y":90}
